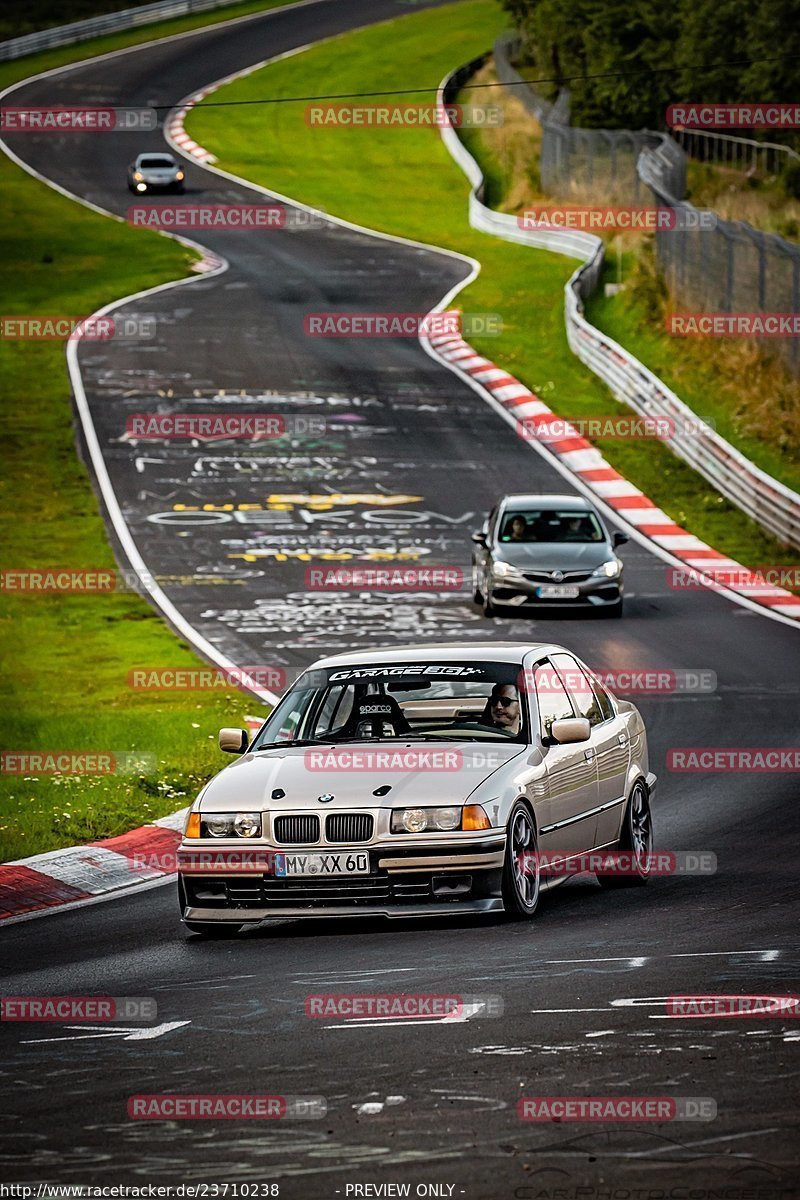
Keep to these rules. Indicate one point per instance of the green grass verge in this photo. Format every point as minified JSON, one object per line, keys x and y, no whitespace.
{"x":403,"y":181}
{"x":67,"y":658}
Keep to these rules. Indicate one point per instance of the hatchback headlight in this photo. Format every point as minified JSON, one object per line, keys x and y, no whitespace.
{"x":222,"y":825}
{"x":425,"y":820}
{"x":179,"y":175}
{"x":610,"y":569}
{"x":504,"y":570}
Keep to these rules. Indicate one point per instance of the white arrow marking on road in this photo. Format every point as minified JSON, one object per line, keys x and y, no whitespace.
{"x":458,"y":1018}
{"x":128,"y":1034}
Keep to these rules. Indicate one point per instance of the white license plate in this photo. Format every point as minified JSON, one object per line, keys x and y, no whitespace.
{"x":557,"y":591}
{"x":336,"y":862}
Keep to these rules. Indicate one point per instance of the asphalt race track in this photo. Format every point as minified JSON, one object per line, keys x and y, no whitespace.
{"x":435,"y":1104}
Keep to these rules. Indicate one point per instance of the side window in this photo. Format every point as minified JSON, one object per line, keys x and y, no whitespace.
{"x":284,"y":723}
{"x":552,"y":699}
{"x":336,"y":708}
{"x":579,"y":688}
{"x":603,"y":698}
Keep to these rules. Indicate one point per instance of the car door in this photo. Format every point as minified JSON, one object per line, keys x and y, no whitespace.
{"x":609,"y":741}
{"x":571,"y":770}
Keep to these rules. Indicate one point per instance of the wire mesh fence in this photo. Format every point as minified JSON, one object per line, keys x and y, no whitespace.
{"x":709,"y":266}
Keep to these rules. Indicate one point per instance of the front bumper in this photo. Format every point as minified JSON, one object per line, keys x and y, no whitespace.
{"x":522,"y":593}
{"x":403,"y":881}
{"x":171,"y":185}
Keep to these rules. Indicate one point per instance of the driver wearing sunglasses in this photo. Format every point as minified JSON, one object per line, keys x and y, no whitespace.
{"x":502,"y":708}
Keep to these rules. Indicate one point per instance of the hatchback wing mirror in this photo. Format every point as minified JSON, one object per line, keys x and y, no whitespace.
{"x":619,"y":539}
{"x":569,"y":730}
{"x":233,"y":741}
{"x":480,"y":537}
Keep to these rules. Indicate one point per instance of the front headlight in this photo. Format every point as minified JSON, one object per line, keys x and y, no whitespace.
{"x":137,"y":175}
{"x":223,"y":825}
{"x":247,"y":824}
{"x":426,"y":820}
{"x":504,"y":570}
{"x":610,"y":569}
{"x":179,"y":175}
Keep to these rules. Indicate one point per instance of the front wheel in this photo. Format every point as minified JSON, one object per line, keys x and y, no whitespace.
{"x":521,"y":866}
{"x":477,"y":594}
{"x":635,"y":843}
{"x":612,"y":610}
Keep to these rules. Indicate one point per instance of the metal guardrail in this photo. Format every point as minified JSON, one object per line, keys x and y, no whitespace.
{"x":775,"y":507}
{"x":729,"y":268}
{"x":728,"y":150}
{"x":92,"y":27}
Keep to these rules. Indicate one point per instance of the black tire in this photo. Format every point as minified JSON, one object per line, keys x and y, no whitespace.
{"x":477,"y":594}
{"x":636,"y":840}
{"x":612,"y":611}
{"x":520,"y":882}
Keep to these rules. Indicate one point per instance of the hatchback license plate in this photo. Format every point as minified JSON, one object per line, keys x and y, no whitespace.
{"x":343,"y":862}
{"x":558,"y":592}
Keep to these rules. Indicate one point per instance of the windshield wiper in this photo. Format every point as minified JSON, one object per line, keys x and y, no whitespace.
{"x":298,"y":742}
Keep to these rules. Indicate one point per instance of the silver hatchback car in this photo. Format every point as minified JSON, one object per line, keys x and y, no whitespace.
{"x":155,"y":172}
{"x":544,"y":552}
{"x":418,"y":782}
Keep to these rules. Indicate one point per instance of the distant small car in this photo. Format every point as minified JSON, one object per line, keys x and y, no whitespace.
{"x":536,"y":552}
{"x":421,"y":781}
{"x":155,"y":172}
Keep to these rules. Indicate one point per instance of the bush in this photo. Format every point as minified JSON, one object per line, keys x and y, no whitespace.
{"x":790,"y":178}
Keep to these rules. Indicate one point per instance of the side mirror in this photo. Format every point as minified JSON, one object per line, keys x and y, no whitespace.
{"x":480,"y":537}
{"x":619,"y":539}
{"x":233,"y":741}
{"x":569,"y":730}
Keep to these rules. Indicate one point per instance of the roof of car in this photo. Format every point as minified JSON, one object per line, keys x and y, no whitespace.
{"x":511,"y":652}
{"x":538,"y":500}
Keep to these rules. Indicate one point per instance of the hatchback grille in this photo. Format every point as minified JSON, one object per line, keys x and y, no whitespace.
{"x":547,"y":576}
{"x":348,"y":827}
{"x":296,"y":831}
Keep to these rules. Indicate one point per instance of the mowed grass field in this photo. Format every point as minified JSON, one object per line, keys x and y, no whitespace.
{"x":66,"y":658}
{"x":402,"y":180}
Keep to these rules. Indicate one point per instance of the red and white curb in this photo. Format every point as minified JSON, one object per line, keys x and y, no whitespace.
{"x":174,"y":130}
{"x":584,"y":461}
{"x":78,"y":874}
{"x":176,"y":133}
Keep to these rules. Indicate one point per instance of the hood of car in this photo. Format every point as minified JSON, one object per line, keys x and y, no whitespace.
{"x":554,"y":556}
{"x":351,"y":774}
{"x":158,"y":174}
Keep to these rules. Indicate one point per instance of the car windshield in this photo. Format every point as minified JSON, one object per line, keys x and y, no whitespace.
{"x":386,"y":702}
{"x":550,"y":525}
{"x":155,"y":162}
